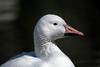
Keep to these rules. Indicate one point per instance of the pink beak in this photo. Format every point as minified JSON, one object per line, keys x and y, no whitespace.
{"x":72,"y":32}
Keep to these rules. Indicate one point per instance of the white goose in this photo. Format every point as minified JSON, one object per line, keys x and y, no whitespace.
{"x":47,"y":54}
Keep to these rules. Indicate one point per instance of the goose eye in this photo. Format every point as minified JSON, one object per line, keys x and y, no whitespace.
{"x":55,"y":24}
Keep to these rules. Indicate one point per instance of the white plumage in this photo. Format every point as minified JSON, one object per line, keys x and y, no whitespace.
{"x":47,"y":54}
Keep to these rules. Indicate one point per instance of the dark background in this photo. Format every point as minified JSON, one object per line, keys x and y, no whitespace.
{"x":18,"y":18}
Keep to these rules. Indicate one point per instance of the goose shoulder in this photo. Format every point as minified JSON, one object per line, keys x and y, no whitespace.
{"x":24,"y":60}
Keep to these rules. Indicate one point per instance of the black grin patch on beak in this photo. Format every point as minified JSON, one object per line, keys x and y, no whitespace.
{"x":71,"y":34}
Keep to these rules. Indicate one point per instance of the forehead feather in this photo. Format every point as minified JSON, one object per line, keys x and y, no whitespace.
{"x":51,"y":17}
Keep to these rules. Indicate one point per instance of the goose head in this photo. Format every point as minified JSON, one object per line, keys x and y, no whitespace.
{"x":54,"y":27}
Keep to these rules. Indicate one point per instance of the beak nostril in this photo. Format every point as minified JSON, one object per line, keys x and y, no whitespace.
{"x":70,"y":29}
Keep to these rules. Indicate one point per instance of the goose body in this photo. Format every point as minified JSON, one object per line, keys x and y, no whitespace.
{"x":47,"y":54}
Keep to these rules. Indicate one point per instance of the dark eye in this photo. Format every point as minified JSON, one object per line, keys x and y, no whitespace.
{"x":55,"y":24}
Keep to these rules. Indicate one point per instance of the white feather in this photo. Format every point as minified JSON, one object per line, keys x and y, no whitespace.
{"x":47,"y":54}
